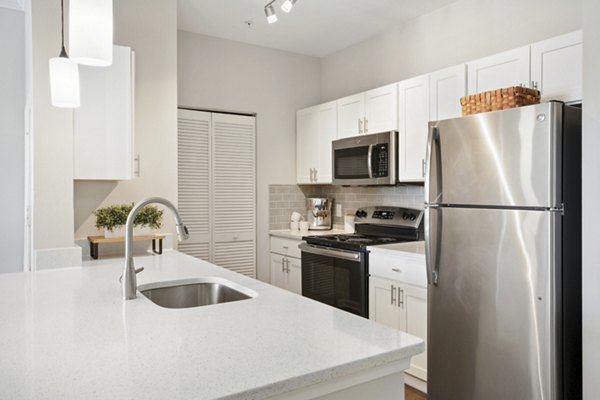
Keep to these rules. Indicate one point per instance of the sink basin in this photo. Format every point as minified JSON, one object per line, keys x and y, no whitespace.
{"x":195,"y":292}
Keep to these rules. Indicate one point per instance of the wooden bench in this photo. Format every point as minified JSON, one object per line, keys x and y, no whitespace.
{"x":96,"y":240}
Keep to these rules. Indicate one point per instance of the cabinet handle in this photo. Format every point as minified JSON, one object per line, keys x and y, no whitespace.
{"x":287,"y":265}
{"x":282,"y":264}
{"x":534,"y":85}
{"x":396,"y":270}
{"x":423,"y":167}
{"x":360,"y":125}
{"x":316,"y":179}
{"x":136,"y":171}
{"x":311,"y":174}
{"x":400,"y":297}
{"x":393,"y":299}
{"x":366,"y":125}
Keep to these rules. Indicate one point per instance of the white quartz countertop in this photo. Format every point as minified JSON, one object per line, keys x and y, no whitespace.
{"x":67,"y":334}
{"x":414,"y":248}
{"x":286,"y":233}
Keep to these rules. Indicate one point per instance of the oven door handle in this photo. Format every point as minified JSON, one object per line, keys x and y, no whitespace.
{"x":326,"y":251}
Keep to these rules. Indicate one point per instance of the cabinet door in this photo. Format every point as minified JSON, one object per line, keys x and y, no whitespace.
{"x":414,"y":301}
{"x":446,"y":87}
{"x":194,"y":180}
{"x":413,"y":119}
{"x":383,"y":302}
{"x":556,"y":67}
{"x":294,"y":275}
{"x":327,"y":118}
{"x":350,"y":114}
{"x":103,"y":125}
{"x":510,"y":68}
{"x":234,"y":193}
{"x":307,"y":136}
{"x":381,"y":109}
{"x":278,"y":275}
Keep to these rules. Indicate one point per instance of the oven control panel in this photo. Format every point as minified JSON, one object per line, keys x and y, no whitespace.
{"x":397,"y":216}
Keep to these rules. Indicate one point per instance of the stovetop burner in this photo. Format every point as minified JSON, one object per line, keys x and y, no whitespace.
{"x":357,"y":238}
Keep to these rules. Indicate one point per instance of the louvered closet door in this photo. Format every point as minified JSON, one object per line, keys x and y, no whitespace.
{"x":234,"y":197}
{"x":193,"y":150}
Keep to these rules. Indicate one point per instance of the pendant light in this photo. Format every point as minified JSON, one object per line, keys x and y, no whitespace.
{"x":64,"y":74}
{"x":91,"y":32}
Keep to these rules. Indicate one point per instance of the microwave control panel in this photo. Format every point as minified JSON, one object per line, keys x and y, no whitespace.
{"x":380,"y":160}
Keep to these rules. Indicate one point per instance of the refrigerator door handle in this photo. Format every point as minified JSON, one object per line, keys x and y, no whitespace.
{"x":433,"y":171}
{"x":431,"y":245}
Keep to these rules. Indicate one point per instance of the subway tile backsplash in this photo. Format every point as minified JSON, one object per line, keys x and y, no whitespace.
{"x":285,"y":199}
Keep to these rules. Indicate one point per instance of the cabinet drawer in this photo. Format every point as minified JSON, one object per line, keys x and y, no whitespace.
{"x":287,"y":247}
{"x":403,"y":268}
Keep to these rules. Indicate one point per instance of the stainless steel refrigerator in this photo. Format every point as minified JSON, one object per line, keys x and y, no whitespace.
{"x":503,"y":250}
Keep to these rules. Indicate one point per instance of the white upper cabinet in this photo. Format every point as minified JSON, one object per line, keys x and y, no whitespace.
{"x":510,"y":68}
{"x":446,"y":87}
{"x":381,"y":109}
{"x":350,"y":111}
{"x":316,"y":128}
{"x":369,"y":112}
{"x":413,"y":122}
{"x":556,"y":67}
{"x":103,"y":125}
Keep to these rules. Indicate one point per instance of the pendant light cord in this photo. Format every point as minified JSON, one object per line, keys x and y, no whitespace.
{"x":63,"y":51}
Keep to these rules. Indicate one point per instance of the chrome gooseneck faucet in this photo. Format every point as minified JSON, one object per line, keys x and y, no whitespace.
{"x":128,"y":279}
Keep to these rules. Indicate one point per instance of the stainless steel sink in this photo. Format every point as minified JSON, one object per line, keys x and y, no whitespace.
{"x":195,"y":292}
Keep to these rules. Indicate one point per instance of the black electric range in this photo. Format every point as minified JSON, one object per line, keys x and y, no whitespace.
{"x":335,"y":268}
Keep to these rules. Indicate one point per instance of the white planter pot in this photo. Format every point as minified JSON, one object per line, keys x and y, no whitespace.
{"x":119,"y":231}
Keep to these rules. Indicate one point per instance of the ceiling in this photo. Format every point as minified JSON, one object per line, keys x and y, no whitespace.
{"x":313,"y":27}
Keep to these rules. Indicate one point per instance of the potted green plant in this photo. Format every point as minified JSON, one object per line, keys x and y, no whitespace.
{"x":113,"y":218}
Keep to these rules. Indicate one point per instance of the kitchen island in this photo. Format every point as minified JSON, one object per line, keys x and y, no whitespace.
{"x":66,"y":333}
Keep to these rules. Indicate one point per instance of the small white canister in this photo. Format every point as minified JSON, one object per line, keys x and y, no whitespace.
{"x":349,"y":223}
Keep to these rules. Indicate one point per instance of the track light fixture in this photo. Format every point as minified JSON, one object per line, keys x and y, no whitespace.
{"x":270,"y":13}
{"x":270,"y":10}
{"x":287,"y":5}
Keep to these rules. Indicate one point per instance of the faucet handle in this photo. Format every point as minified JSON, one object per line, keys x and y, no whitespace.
{"x":138,"y":270}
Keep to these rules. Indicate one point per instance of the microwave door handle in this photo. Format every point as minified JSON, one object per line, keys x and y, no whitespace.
{"x":370,"y":161}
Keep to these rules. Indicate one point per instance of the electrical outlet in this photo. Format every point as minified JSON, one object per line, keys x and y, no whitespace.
{"x":338,"y":210}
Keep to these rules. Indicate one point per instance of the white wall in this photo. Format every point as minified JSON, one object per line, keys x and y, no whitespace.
{"x":225,"y":75}
{"x":149,"y":27}
{"x":461,"y":32}
{"x":12,"y":103}
{"x":53,"y":144}
{"x":591,"y":195}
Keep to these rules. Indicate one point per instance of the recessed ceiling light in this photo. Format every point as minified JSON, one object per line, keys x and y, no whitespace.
{"x":287,"y":5}
{"x":270,"y":13}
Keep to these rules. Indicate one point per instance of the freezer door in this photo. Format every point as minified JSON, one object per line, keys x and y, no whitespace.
{"x":493,"y":312}
{"x":502,"y":158}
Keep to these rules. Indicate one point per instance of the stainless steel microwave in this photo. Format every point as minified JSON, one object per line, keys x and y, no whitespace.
{"x":366,"y":159}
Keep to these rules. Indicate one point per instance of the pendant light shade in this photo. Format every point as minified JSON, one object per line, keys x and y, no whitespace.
{"x":64,"y":82}
{"x":91,"y":32}
{"x":288,"y":5}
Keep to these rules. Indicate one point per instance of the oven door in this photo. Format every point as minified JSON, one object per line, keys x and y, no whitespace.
{"x":335,"y":277}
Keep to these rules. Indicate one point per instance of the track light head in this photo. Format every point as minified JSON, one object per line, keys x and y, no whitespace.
{"x":270,"y":13}
{"x":287,"y":5}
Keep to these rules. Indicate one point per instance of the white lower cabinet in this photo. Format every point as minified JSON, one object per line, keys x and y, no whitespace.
{"x":286,"y":265}
{"x":398,"y":299}
{"x":286,"y":273}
